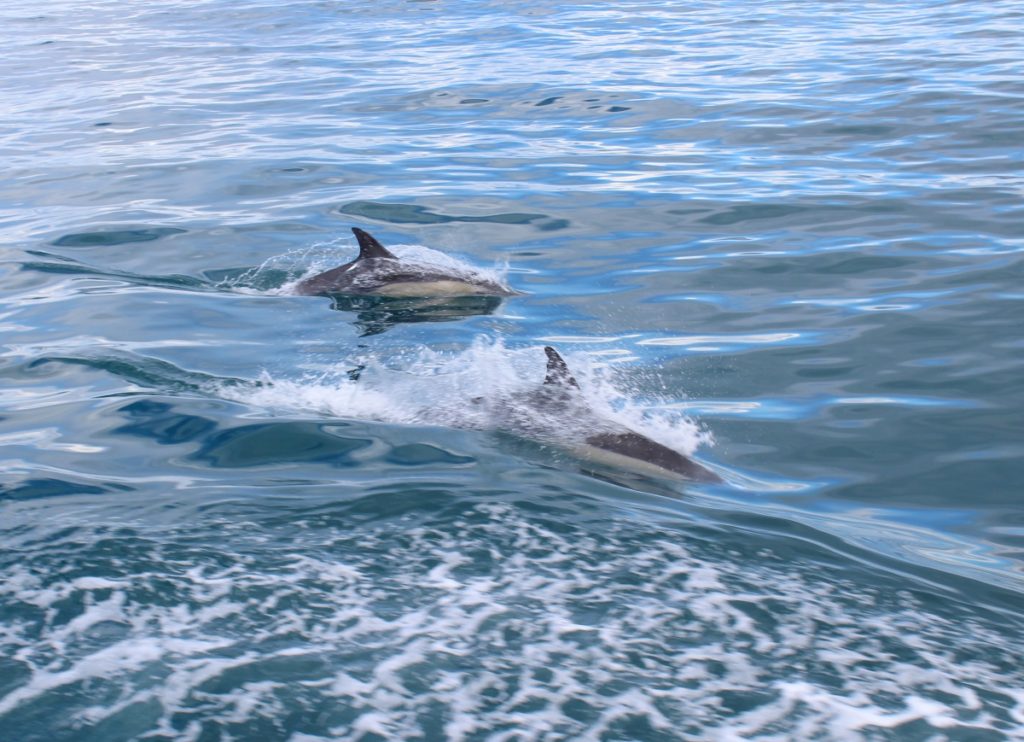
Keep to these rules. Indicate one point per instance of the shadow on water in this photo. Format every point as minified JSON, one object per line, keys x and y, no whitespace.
{"x":377,"y":314}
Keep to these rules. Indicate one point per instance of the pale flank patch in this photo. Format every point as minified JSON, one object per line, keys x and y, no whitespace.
{"x":430,"y":288}
{"x":615,"y":460}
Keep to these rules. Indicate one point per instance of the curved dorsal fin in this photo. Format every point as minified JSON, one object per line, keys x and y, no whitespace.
{"x":369,"y":247}
{"x":558,"y":372}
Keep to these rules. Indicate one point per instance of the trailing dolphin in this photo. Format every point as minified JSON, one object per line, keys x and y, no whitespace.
{"x":604,"y":441}
{"x":378,"y":272}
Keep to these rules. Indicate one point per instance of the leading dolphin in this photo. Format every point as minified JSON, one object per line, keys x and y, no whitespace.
{"x":607,"y":442}
{"x":377,"y":272}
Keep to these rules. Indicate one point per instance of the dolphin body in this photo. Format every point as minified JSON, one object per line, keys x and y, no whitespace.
{"x":608,"y":443}
{"x":377,"y":272}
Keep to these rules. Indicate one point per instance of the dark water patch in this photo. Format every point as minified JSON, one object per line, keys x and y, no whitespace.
{"x":398,"y":213}
{"x":148,"y":372}
{"x":159,"y":421}
{"x":417,"y":454}
{"x":119,"y":237}
{"x":13,"y":673}
{"x":69,"y":267}
{"x":279,"y":443}
{"x":41,"y":487}
{"x":294,"y":169}
{"x":48,"y":256}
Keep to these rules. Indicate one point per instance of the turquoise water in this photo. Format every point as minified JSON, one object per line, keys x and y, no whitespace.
{"x":785,"y":239}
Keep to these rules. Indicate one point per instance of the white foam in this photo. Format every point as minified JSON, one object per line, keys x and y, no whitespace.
{"x":485,"y":387}
{"x":124,"y":656}
{"x":629,"y":622}
{"x":445,"y":262}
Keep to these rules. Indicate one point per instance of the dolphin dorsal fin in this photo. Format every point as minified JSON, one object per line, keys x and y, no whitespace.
{"x":558,"y":372}
{"x":369,"y":247}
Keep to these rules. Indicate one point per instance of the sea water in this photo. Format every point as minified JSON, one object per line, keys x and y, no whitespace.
{"x":783,"y":239}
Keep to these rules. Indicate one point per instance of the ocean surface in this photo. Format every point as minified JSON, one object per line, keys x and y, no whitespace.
{"x":786,"y":239}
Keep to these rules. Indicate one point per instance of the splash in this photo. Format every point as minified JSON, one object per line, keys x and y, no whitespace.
{"x":486,"y":387}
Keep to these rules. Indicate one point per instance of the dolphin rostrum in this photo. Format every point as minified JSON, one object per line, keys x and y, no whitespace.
{"x":377,"y":272}
{"x":606,"y":442}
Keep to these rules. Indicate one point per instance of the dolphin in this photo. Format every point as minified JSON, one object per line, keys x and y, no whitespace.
{"x":604,"y":441}
{"x":377,"y":272}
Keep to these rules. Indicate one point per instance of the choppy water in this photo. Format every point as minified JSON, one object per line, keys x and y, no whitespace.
{"x":785,"y":238}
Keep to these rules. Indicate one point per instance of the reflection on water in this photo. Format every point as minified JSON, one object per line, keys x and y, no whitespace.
{"x":377,"y":314}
